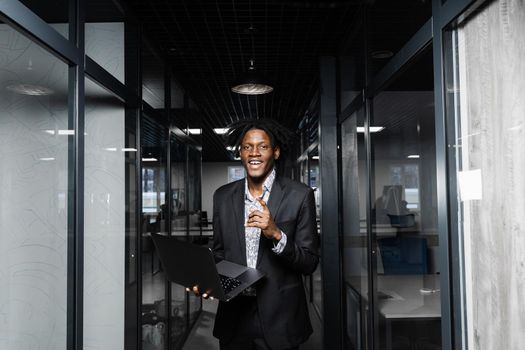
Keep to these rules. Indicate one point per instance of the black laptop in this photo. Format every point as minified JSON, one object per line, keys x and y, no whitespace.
{"x":191,"y":265}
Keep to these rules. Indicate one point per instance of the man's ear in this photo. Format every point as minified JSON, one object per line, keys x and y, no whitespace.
{"x":276,"y":152}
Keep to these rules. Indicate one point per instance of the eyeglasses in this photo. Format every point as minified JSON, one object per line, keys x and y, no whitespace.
{"x":261,"y":148}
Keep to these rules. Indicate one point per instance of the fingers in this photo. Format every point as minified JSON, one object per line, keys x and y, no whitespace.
{"x":262,"y":202}
{"x":195,"y":290}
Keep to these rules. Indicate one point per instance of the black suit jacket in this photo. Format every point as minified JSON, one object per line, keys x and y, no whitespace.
{"x":280,"y":297}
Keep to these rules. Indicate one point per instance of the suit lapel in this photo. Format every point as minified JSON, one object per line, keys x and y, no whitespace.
{"x":238,"y":209}
{"x":276,"y":196}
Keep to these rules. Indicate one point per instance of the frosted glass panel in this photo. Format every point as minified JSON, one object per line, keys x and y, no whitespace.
{"x":104,"y":221}
{"x":490,"y":139}
{"x":34,"y":200}
{"x":105,"y":45}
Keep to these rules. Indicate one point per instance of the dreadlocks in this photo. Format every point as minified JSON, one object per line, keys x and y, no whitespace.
{"x":279,"y":135}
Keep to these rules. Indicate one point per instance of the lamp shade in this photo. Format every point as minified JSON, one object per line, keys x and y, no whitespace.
{"x":251,"y":83}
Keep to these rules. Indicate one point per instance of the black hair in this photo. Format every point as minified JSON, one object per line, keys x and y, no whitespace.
{"x":278,"y":134}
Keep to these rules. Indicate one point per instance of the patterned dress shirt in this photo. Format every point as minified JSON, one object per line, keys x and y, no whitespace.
{"x":253,"y":234}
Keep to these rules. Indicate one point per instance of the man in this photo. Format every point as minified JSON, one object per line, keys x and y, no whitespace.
{"x":266,"y":222}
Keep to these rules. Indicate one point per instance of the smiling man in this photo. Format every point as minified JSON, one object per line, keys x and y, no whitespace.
{"x":267,"y":222}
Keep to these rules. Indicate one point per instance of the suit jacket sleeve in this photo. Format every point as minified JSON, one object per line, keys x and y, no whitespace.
{"x":301,"y":253}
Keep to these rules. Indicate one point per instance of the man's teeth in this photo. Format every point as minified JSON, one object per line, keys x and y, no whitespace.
{"x":255,"y":162}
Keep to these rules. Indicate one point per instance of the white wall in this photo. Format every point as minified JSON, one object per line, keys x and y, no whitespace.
{"x":214,"y":175}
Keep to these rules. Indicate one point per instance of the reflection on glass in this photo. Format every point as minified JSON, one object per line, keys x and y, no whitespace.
{"x":179,"y":203}
{"x":195,"y":215}
{"x":154,"y":186}
{"x":152,"y":78}
{"x":355,"y":243}
{"x":312,"y":173}
{"x":194,"y":190}
{"x":104,"y":220}
{"x":179,"y":219}
{"x":34,"y":201}
{"x":403,"y":214}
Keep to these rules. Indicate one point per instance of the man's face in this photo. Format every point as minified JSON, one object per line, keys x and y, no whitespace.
{"x":257,"y":155}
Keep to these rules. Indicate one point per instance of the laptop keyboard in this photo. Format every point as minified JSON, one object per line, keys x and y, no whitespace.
{"x":228,"y":283}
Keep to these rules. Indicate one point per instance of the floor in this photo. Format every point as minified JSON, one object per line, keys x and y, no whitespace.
{"x":201,"y":335}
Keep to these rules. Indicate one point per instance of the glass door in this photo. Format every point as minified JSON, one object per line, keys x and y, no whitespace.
{"x":405,"y":244}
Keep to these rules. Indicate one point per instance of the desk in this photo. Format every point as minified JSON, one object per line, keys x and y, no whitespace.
{"x":403,"y":297}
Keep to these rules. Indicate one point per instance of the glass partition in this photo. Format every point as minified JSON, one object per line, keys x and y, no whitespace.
{"x":36,"y":141}
{"x":154,"y":309}
{"x":355,"y":238}
{"x":104,"y":36}
{"x":104,"y":219}
{"x":315,"y":280}
{"x":403,"y":215}
{"x":179,"y":228}
{"x":195,"y":216}
{"x":152,"y":78}
{"x":179,"y":202}
{"x":194,"y":191}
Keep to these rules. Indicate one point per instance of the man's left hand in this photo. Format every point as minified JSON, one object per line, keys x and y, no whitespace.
{"x":262,"y":219}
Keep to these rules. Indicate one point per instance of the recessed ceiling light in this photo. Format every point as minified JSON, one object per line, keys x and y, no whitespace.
{"x":129,"y":150}
{"x":30,"y":89}
{"x":361,"y":129}
{"x":220,"y":131}
{"x":149,"y":159}
{"x":194,"y":131}
{"x":47,"y":159}
{"x":413,"y":156}
{"x":111,"y":149}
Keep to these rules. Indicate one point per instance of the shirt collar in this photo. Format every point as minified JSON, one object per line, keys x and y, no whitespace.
{"x":267,"y":185}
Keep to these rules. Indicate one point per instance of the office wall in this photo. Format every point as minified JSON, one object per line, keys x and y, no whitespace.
{"x":490,"y":143}
{"x":214,"y":175}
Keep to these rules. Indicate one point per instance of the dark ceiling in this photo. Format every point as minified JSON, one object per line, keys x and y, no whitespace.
{"x":210,"y":43}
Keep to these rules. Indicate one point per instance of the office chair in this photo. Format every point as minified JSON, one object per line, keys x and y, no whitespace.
{"x":403,"y":255}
